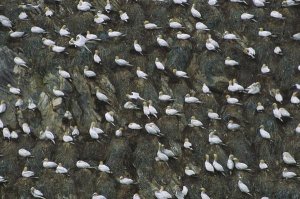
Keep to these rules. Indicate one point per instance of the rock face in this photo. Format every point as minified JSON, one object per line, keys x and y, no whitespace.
{"x":133,"y":154}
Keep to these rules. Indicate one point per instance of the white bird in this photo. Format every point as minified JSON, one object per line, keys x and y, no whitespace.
{"x":294,"y":98}
{"x":24,"y":153}
{"x":135,"y":95}
{"x":189,"y":172}
{"x":231,"y":62}
{"x":180,"y":73}
{"x":97,"y":196}
{"x":161,"y":42}
{"x":205,"y":89}
{"x":195,"y":13}
{"x":96,"y":57}
{"x":49,"y":12}
{"x":211,"y":44}
{"x":250,"y":51}
{"x":150,"y":26}
{"x":164,"y":97}
{"x":201,"y":26}
{"x":119,"y":132}
{"x":172,"y":111}
{"x":175,"y":24}
{"x":130,"y":105}
{"x":63,"y":73}
{"x":213,"y":2}
{"x":2,"y":106}
{"x":109,"y":116}
{"x":232,"y":126}
{"x":26,"y":128}
{"x":296,"y":36}
{"x":216,"y":165}
{"x":58,"y":49}
{"x":23,"y":16}
{"x":125,"y":180}
{"x":160,"y":155}
{"x":48,"y":42}
{"x":95,"y":131}
{"x":278,"y":51}
{"x":180,"y":194}
{"x":152,"y":109}
{"x":49,"y":135}
{"x":234,"y":86}
{"x":297,"y":129}
{"x":247,"y":16}
{"x":89,"y":36}
{"x":239,"y":1}
{"x":208,"y":166}
{"x":57,"y":92}
{"x":254,"y":88}
{"x":113,"y":34}
{"x":214,"y":139}
{"x":123,"y":16}
{"x":159,"y":65}
{"x":276,"y":112}
{"x":276,"y":15}
{"x":60,"y":169}
{"x":20,"y":62}
{"x":134,"y":126}
{"x":284,"y":112}
{"x":16,"y":34}
{"x":187,"y":144}
{"x":108,"y":6}
{"x":104,"y":168}
{"x":259,"y":3}
{"x":240,"y":165}
{"x":82,"y":164}
{"x":182,"y":36}
{"x":122,"y":62}
{"x":212,"y":115}
{"x":75,"y":132}
{"x":263,"y":133}
{"x":141,"y":74}
{"x":100,"y":18}
{"x":49,"y":164}
{"x":137,"y":47}
{"x":264,"y":33}
{"x":191,"y":99}
{"x":262,"y":165}
{"x":195,"y":123}
{"x":14,"y":90}
{"x":162,"y":194}
{"x":288,"y":174}
{"x":203,"y":193}
{"x":84,"y":5}
{"x":101,"y":96}
{"x":64,"y":31}
{"x":88,"y":73}
{"x":230,"y":163}
{"x":264,"y":69}
{"x":152,"y":129}
{"x":232,"y":100}
{"x":6,"y":133}
{"x":229,"y":36}
{"x":288,"y":158}
{"x":27,"y":174}
{"x":36,"y":193}
{"x":243,"y":187}
{"x":38,"y":30}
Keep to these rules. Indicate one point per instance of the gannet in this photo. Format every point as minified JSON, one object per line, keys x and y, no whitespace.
{"x":58,"y":49}
{"x":278,"y":51}
{"x":26,"y":128}
{"x":250,"y":51}
{"x":95,"y":131}
{"x":19,"y":102}
{"x":253,"y":88}
{"x":172,"y":111}
{"x":141,"y":74}
{"x":109,"y":116}
{"x":84,"y":5}
{"x":27,"y":174}
{"x":48,"y":42}
{"x":296,"y":36}
{"x":49,"y":12}
{"x":23,"y":16}
{"x":264,"y":69}
{"x":161,"y":42}
{"x":75,"y":132}
{"x":164,"y":97}
{"x":49,"y":135}
{"x":16,"y":34}
{"x":243,"y":187}
{"x":231,"y":62}
{"x":217,"y":166}
{"x":189,"y":172}
{"x":234,"y":86}
{"x":288,"y":159}
{"x":104,"y":168}
{"x":276,"y":15}
{"x":2,"y":106}
{"x":212,"y":115}
{"x":153,"y":129}
{"x":203,"y":193}
{"x":88,"y":73}
{"x":263,"y":133}
{"x":108,"y":6}
{"x":89,"y":36}
{"x":259,"y":3}
{"x":150,"y":26}
{"x":24,"y":153}
{"x":122,"y":62}
{"x":214,"y":139}
{"x":208,"y":166}
{"x":97,"y":196}
{"x":195,"y":123}
{"x":1,"y":124}
{"x":100,"y":18}
{"x":191,"y":99}
{"x":60,"y":169}
{"x":294,"y":98}
{"x":136,"y":196}
{"x":2,"y":179}
{"x":247,"y":16}
{"x":119,"y":132}
{"x":195,"y":13}
{"x":130,"y":105}
{"x":182,"y":36}
{"x":123,"y":16}
{"x":6,"y":133}
{"x":36,"y":193}
{"x":96,"y":57}
{"x":288,"y":174}
{"x":68,"y":115}
{"x":201,"y":26}
{"x":229,"y":36}
{"x":162,"y":194}
{"x":38,"y":30}
{"x":79,"y":42}
{"x":20,"y":62}
{"x":284,"y":112}
{"x":14,"y":90}
{"x":101,"y":96}
{"x":6,"y":22}
{"x":239,"y":1}
{"x":288,"y":3}
{"x":211,"y":44}
{"x":276,"y":93}
{"x":57,"y":92}
{"x":205,"y":89}
{"x":125,"y":180}
{"x":152,"y":109}
{"x":112,"y":33}
{"x":160,"y":155}
{"x":168,"y":152}
{"x":262,"y":165}
{"x":174,"y":24}
{"x":83,"y":165}
{"x":276,"y":112}
{"x":67,"y":138}
{"x":230,"y":163}
{"x":187,"y":144}
{"x":264,"y":33}
{"x":180,"y":73}
{"x":64,"y":31}
{"x":137,"y":47}
{"x":159,"y":65}
{"x":213,"y":2}
{"x":232,"y":126}
{"x":180,"y":193}
{"x":239,"y":165}
{"x":297,"y":129}
{"x":232,"y":100}
{"x":134,"y":126}
{"x":49,"y":164}
{"x":135,"y":95}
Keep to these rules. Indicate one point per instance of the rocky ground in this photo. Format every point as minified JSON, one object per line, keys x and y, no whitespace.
{"x":133,"y":154}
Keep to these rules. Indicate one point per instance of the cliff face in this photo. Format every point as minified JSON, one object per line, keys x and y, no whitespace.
{"x":133,"y":154}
